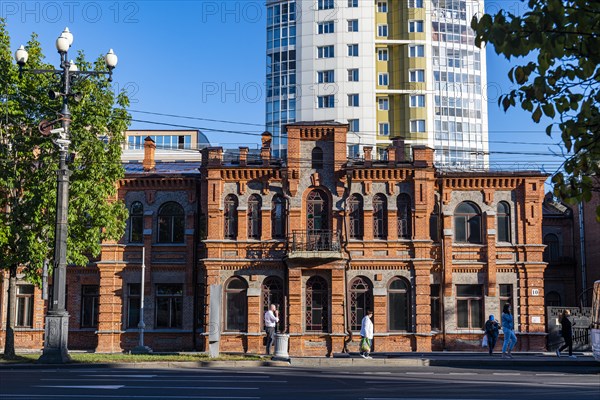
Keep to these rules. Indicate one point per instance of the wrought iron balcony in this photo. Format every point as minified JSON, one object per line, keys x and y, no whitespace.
{"x":315,"y":244}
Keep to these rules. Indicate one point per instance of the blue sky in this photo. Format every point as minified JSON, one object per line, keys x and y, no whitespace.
{"x":206,"y":59}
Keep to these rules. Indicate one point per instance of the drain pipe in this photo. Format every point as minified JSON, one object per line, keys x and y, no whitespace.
{"x":440,"y":229}
{"x":288,"y":205}
{"x":349,"y":172}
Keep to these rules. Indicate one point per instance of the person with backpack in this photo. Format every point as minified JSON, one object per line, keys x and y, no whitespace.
{"x":492,"y":331}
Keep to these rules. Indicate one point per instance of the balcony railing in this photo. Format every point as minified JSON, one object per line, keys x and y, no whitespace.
{"x":315,"y":244}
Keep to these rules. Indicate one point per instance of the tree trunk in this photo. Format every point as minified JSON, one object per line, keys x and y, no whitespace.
{"x":9,"y":343}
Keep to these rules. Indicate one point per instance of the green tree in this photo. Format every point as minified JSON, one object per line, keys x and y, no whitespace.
{"x":562,"y":82}
{"x":29,"y":161}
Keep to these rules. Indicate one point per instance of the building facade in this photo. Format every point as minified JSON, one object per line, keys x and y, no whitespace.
{"x":321,"y":236}
{"x":571,"y":235}
{"x":391,"y":69}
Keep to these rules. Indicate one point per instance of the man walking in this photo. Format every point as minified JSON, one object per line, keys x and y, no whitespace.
{"x":271,"y":319}
{"x":366,"y":333}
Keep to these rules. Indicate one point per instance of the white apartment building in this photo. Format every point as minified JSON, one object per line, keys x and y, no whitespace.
{"x":388,"y":68}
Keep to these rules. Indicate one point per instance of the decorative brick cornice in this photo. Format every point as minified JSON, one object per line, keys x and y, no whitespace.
{"x":166,"y":183}
{"x":249,"y":174}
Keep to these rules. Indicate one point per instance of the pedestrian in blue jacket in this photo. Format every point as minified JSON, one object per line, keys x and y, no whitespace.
{"x":508,"y":327}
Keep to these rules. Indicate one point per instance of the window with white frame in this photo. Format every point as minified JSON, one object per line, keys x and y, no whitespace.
{"x":382,"y":6}
{"x":353,"y":50}
{"x":24,"y":307}
{"x":353,"y":100}
{"x":352,"y":25}
{"x":415,"y":26}
{"x":354,"y":125}
{"x":384,"y":103}
{"x":382,"y":30}
{"x":415,"y":3}
{"x":325,"y":27}
{"x":353,"y":75}
{"x":417,"y":100}
{"x":382,"y":54}
{"x":326,"y":101}
{"x":417,"y":50}
{"x":417,"y":125}
{"x":326,"y":4}
{"x":352,"y":3}
{"x":325,"y":51}
{"x":416,"y":75}
{"x":384,"y":129}
{"x":383,"y":79}
{"x":327,"y":76}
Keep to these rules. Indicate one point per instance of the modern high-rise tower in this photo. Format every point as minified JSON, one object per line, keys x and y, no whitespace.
{"x":395,"y":68}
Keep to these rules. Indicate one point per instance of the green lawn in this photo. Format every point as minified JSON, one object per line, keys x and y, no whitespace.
{"x":97,"y":358}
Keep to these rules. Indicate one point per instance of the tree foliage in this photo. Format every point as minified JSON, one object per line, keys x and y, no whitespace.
{"x":29,"y":161}
{"x":562,"y":83}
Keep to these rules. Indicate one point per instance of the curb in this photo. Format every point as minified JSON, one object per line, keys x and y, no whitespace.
{"x":153,"y":365}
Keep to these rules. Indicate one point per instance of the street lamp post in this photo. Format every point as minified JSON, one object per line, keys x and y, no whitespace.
{"x":57,"y":318}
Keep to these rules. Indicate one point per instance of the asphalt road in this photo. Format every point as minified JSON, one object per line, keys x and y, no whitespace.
{"x":294,"y":383}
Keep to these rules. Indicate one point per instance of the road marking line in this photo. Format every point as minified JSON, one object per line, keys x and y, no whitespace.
{"x":205,"y":380}
{"x":463,"y":373}
{"x":550,"y":374}
{"x":419,"y":373}
{"x":124,"y":376}
{"x":192,"y":387}
{"x":507,"y":373}
{"x":108,"y":387}
{"x":105,"y":396}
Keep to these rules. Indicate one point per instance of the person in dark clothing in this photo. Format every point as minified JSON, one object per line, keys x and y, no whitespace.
{"x":567,"y":334}
{"x":492,"y":332}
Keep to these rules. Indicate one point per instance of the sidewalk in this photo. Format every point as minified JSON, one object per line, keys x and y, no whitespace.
{"x":433,"y":359}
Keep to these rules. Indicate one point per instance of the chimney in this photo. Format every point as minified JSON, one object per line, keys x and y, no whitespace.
{"x":215,"y":156}
{"x":368,"y":159}
{"x":399,"y":146}
{"x":243,"y":156}
{"x":266,"y":139}
{"x":391,"y":154}
{"x":265,"y":156}
{"x":149,"y":149}
{"x":422,"y":156}
{"x":265,"y":151}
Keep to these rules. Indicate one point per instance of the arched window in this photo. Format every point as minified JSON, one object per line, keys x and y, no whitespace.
{"x":317,"y":211}
{"x":553,"y":299}
{"x":404,"y":217}
{"x":254,"y":217}
{"x":552,"y":251}
{"x":355,"y":214}
{"x":467,"y":223}
{"x":503,"y":221}
{"x":272,"y":293}
{"x":317,"y":158}
{"x":361,"y":300}
{"x":434,"y":228}
{"x":317,"y":304}
{"x":399,"y":305}
{"x":236,"y":305}
{"x":379,"y":217}
{"x":231,"y":218}
{"x":171,"y":223}
{"x":278,"y":223}
{"x":136,"y":222}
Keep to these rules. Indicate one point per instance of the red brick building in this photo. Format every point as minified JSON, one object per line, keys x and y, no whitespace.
{"x":325,"y":238}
